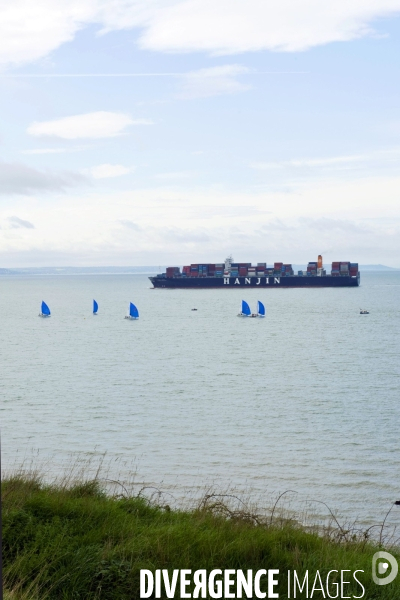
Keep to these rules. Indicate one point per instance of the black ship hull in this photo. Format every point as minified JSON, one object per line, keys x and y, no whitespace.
{"x":294,"y":281}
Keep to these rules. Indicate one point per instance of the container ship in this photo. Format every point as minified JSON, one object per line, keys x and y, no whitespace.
{"x":234,"y":275}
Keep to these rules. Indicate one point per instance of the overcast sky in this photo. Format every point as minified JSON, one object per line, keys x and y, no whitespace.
{"x":146,"y":132}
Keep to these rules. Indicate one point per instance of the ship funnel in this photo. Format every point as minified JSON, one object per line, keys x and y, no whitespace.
{"x":320,"y":264}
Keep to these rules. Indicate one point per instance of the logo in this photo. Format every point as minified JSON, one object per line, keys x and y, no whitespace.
{"x":381,"y":561}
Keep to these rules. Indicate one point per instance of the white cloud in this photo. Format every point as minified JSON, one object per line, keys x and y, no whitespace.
{"x":342,"y":220}
{"x":213,"y":81}
{"x":379,"y":156}
{"x":17,"y":223}
{"x":175,"y":175}
{"x":16,"y":178}
{"x":95,"y":125}
{"x":233,"y":26}
{"x":107,"y":170}
{"x":47,"y":151}
{"x":44,"y":151}
{"x":31,"y":30}
{"x":311,"y":162}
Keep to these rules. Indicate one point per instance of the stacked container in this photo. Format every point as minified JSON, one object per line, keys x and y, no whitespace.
{"x":335,"y":269}
{"x":251,"y":271}
{"x":353,"y":271}
{"x":186,"y":271}
{"x":203,"y":270}
{"x":261,"y":269}
{"x":287,"y":270}
{"x":219,"y":269}
{"x":194,"y":270}
{"x":344,"y":268}
{"x":311,"y":269}
{"x":242,"y":271}
{"x":173,"y":272}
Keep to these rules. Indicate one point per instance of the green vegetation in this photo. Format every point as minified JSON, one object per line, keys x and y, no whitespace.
{"x":74,"y":542}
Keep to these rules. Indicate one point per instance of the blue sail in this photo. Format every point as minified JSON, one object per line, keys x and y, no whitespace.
{"x":95,"y":307}
{"x":245,"y":308}
{"x":261,"y":309}
{"x":133,"y":311}
{"x":45,"y":309}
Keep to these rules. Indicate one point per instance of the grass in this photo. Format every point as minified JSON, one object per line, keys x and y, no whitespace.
{"x":73,"y":541}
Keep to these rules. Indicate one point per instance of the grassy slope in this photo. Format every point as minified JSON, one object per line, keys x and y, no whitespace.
{"x":77,"y":543}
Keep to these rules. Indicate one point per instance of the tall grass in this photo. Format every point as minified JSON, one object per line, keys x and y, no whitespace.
{"x":71,"y":540}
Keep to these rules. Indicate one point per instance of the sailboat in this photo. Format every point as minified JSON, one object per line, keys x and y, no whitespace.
{"x":246,"y":312}
{"x":45,"y":311}
{"x":95,"y":307}
{"x":261,"y":309}
{"x":133,"y":312}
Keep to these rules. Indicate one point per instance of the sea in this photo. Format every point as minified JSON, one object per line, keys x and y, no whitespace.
{"x":302,"y":407}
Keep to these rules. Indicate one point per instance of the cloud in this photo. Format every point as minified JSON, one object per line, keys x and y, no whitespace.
{"x":325,"y":224}
{"x":30,"y":31}
{"x":311,"y":162}
{"x":93,"y":125}
{"x":340,"y":219}
{"x":17,"y":223}
{"x":233,"y":26}
{"x":48,"y":151}
{"x":175,"y":175}
{"x":130,"y":224}
{"x":106,"y":171}
{"x":214,"y":81}
{"x":20,"y":179}
{"x":382,"y":159}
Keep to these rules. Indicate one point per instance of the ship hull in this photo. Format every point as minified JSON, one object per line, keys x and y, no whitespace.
{"x":259,"y":282}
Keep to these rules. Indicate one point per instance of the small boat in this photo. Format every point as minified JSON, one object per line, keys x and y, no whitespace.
{"x":363,"y":311}
{"x":261,"y":310}
{"x":45,"y":311}
{"x":246,"y":312}
{"x":95,"y":307}
{"x":133,"y":312}
{"x":194,"y":309}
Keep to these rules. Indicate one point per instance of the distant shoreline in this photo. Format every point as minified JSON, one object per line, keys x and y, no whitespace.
{"x":145,"y":270}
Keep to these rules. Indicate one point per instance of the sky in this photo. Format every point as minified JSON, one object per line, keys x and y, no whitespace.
{"x":146,"y":132}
